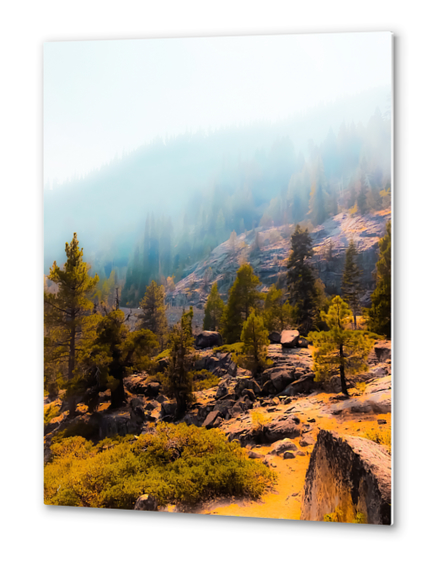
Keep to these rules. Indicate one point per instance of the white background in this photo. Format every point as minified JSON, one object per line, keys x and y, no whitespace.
{"x":29,"y":530}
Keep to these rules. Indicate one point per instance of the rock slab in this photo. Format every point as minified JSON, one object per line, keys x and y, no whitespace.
{"x":350,"y":475}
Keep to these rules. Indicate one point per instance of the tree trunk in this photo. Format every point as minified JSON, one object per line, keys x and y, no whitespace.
{"x":354,"y":319}
{"x":72,"y":403}
{"x":118,"y":395}
{"x":71,"y":361}
{"x":342,"y":376}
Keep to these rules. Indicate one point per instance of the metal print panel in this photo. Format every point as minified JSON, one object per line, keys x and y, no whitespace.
{"x":217,"y":288}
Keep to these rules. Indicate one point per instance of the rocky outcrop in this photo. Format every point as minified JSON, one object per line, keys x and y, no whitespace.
{"x":382,"y":350}
{"x":270,"y":262}
{"x":208,"y":339}
{"x":375,"y":400}
{"x":350,"y":476}
{"x":269,"y":432}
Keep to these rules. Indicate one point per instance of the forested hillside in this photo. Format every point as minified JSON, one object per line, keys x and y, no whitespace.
{"x":157,"y":211}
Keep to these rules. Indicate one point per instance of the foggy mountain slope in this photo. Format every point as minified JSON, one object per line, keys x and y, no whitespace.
{"x":108,"y":207}
{"x":270,"y":261}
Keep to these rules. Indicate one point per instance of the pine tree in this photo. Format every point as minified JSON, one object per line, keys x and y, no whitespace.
{"x":339,"y":350}
{"x":379,"y":314}
{"x":116,"y":352}
{"x":67,"y":312}
{"x":301,"y":280}
{"x":351,"y":286}
{"x":153,"y":316}
{"x":318,"y":206}
{"x":232,"y":242}
{"x":255,"y":342}
{"x":361,"y":200}
{"x":213,"y":310}
{"x":243,"y":297}
{"x":277,"y":313}
{"x":178,"y":380}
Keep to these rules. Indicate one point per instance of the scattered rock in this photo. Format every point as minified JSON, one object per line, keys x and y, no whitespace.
{"x":288,"y":455}
{"x":302,"y":386}
{"x":280,"y":447}
{"x":306,"y":441}
{"x":255,"y":455}
{"x":289,"y":338}
{"x":208,"y":339}
{"x":211,"y":418}
{"x":382,"y":349}
{"x":146,"y":502}
{"x":275,"y":337}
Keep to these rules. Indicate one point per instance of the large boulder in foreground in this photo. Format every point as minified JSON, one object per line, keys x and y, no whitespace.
{"x":350,"y":476}
{"x":208,"y":339}
{"x":289,"y":338}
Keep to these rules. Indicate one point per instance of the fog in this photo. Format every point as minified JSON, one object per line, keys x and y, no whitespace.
{"x":196,"y":131}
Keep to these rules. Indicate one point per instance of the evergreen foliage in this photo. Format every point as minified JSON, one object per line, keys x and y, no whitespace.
{"x":152,"y":316}
{"x":243,"y":298}
{"x":361,"y":200}
{"x":339,"y":350}
{"x":179,"y":378}
{"x":255,"y":342}
{"x":214,"y":310}
{"x":379,"y":314}
{"x":277,"y":314}
{"x":116,"y":352}
{"x":175,"y":463}
{"x":68,"y":318}
{"x":351,"y":285}
{"x":301,"y":280}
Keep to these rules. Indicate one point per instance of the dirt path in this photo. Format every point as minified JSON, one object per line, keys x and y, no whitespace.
{"x":284,"y":501}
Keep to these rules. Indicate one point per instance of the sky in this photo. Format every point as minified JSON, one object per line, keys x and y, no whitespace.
{"x":105,"y":98}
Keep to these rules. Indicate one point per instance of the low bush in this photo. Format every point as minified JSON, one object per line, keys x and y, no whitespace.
{"x":163,"y":355}
{"x":202,"y":380}
{"x":176,"y":463}
{"x":235,"y":349}
{"x":51,"y":411}
{"x":380,"y":436}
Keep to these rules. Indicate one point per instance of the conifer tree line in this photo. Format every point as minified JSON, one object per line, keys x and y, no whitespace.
{"x":90,"y":347}
{"x":346,"y":172}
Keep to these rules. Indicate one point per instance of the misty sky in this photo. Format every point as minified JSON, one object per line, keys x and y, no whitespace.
{"x":105,"y":97}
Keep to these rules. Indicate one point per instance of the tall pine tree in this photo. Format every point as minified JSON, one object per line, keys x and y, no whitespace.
{"x":67,"y":312}
{"x":243,"y":297}
{"x":379,"y":314}
{"x":301,"y":280}
{"x":339,"y":350}
{"x":351,"y":286}
{"x":152,"y":316}
{"x":213,"y":310}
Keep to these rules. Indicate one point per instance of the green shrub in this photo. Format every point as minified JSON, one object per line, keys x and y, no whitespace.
{"x":360,"y":518}
{"x":202,"y":380}
{"x":50,"y":412}
{"x":177,"y":464}
{"x":231,"y":348}
{"x":163,"y":355}
{"x":235,"y":350}
{"x":381,"y":437}
{"x":334,"y":517}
